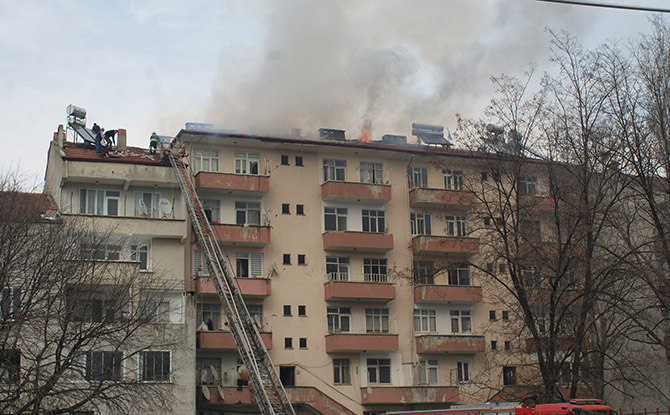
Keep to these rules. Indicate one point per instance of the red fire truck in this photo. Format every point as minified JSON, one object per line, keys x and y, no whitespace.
{"x":573,"y":407}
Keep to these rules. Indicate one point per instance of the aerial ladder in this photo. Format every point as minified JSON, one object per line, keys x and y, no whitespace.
{"x":265,"y":384}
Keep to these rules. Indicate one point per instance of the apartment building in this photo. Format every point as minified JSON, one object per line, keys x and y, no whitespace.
{"x":134,"y":201}
{"x":354,"y":260}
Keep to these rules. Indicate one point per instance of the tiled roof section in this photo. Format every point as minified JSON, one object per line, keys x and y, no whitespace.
{"x":133,"y":155}
{"x":26,"y":206}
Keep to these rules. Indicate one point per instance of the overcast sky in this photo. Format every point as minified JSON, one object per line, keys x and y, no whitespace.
{"x":152,"y":65}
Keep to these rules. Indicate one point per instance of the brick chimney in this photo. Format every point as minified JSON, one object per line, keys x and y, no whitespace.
{"x":121,"y":140}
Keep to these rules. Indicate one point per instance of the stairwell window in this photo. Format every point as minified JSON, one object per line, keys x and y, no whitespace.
{"x":428,"y":372}
{"x":374,"y":270}
{"x":461,"y":322}
{"x":341,"y":372}
{"x":420,"y":223}
{"x":337,"y":268}
{"x":103,"y":366}
{"x":248,"y":213}
{"x":425,"y":321}
{"x":246,"y":163}
{"x":205,"y":160}
{"x":99,"y":202}
{"x":147,"y":205}
{"x":453,"y":179}
{"x":417,"y":177}
{"x":377,"y":320}
{"x":248,"y":265}
{"x":334,"y":170}
{"x":455,"y":226}
{"x":373,"y":221}
{"x":155,"y":366}
{"x":335,"y":219}
{"x":371,"y":173}
{"x":339,"y":319}
{"x":379,"y":371}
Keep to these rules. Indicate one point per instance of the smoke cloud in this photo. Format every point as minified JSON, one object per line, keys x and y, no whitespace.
{"x":339,"y":64}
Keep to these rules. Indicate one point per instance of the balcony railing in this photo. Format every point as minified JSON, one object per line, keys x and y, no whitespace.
{"x":344,"y":276}
{"x":441,"y":343}
{"x":358,"y":192}
{"x":249,"y":287}
{"x":452,"y":199}
{"x":361,"y":342}
{"x":223,"y":340}
{"x":242,"y":235}
{"x":430,"y":293}
{"x":357,"y":241}
{"x":432,"y":244}
{"x":367,"y":287}
{"x":403,"y":395}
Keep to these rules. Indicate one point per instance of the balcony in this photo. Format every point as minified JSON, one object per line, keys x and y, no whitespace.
{"x":223,"y":340}
{"x":363,"y":342}
{"x":375,"y":289}
{"x":232,"y":183}
{"x":560,"y":345}
{"x":355,"y":192}
{"x":450,"y":199}
{"x":130,"y":225}
{"x":432,"y":245}
{"x":249,"y":287}
{"x":539,"y":204}
{"x":403,"y":395}
{"x":440,"y":343}
{"x":447,"y":293}
{"x":357,"y":241}
{"x":242,"y":235}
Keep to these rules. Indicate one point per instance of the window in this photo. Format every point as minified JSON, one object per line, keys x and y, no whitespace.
{"x":341,"y":372}
{"x":286,"y":259}
{"x":379,"y":371}
{"x":301,"y":259}
{"x":200,"y":263}
{"x":155,"y":366}
{"x":298,"y":160}
{"x":147,"y":205}
{"x":99,"y":202}
{"x":287,"y":310}
{"x":425,"y":321}
{"x":453,"y":179}
{"x":103,"y":366}
{"x":248,"y":265}
{"x":508,"y":345}
{"x":494,"y":345}
{"x":284,"y":160}
{"x":428,"y":372}
{"x":91,"y":308}
{"x":527,"y":186}
{"x":492,"y":315}
{"x":377,"y":320}
{"x":246,"y":163}
{"x":530,"y":230}
{"x":205,"y":160}
{"x":288,"y":342}
{"x":373,"y":221}
{"x":420,"y":223}
{"x":248,"y":213}
{"x":285,"y":209}
{"x":205,"y":367}
{"x":256,"y":313}
{"x":208,"y":316}
{"x":374,"y":269}
{"x":101,"y":252}
{"x":303,"y":342}
{"x":335,"y":219}
{"x":509,"y":375}
{"x":505,"y":315}
{"x":423,"y":272}
{"x":337,"y":268}
{"x":299,"y":209}
{"x":455,"y":225}
{"x":10,"y":303}
{"x":417,"y":177}
{"x":212,"y":210}
{"x":140,"y":254}
{"x":459,"y":275}
{"x":302,"y":310}
{"x":10,"y":366}
{"x":333,"y":170}
{"x":461,"y":322}
{"x":485,"y":176}
{"x":532,"y":278}
{"x":371,"y":173}
{"x":463,"y":369}
{"x":487,"y":221}
{"x":339,"y":319}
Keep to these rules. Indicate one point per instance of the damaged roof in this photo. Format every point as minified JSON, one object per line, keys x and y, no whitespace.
{"x":133,"y":155}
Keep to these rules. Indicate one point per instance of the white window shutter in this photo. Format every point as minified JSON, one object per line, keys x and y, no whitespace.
{"x":256,"y":265}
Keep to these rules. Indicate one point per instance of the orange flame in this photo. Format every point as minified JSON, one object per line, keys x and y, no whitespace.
{"x":365,"y":133}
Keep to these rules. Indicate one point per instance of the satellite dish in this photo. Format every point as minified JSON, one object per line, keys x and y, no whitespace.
{"x":165,"y":207}
{"x":203,"y":376}
{"x":215,"y":374}
{"x":205,"y":392}
{"x":220,"y":389}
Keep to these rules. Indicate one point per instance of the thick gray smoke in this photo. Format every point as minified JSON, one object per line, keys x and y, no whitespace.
{"x":338,"y":64}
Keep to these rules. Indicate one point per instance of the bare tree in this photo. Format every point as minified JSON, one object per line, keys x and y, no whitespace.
{"x":81,"y":328}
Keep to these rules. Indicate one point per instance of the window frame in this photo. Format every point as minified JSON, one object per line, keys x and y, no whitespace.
{"x":452,"y":180}
{"x":420,"y":223}
{"x":370,"y":265}
{"x":377,"y":320}
{"x":527,"y":185}
{"x":459,"y":275}
{"x":252,"y":262}
{"x":251,"y":212}
{"x":458,"y":318}
{"x":247,"y":163}
{"x":335,"y":219}
{"x":338,"y":319}
{"x":463,"y":371}
{"x":103,"y":357}
{"x":334,"y":170}
{"x":428,"y":372}
{"x":153,"y":211}
{"x":455,"y":226}
{"x":163,"y":377}
{"x":202,"y":155}
{"x":337,"y":268}
{"x":341,"y":371}
{"x":381,"y":369}
{"x":374,"y":221}
{"x":371,"y":172}
{"x":101,"y":202}
{"x":425,"y":320}
{"x":417,"y":177}
{"x":205,"y":312}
